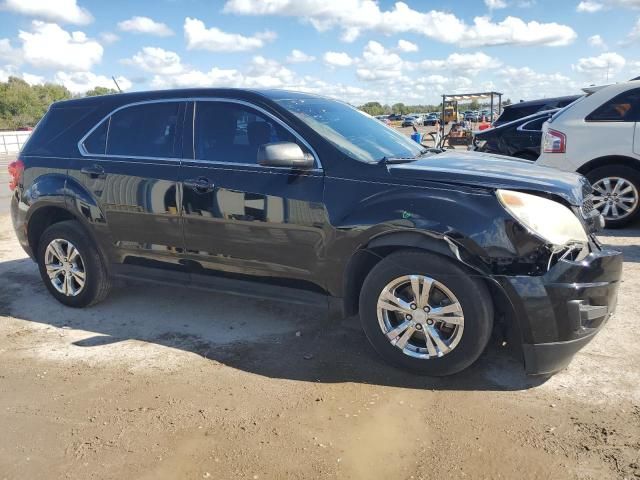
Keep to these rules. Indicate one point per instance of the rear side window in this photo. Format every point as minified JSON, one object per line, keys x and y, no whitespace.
{"x":96,"y":143}
{"x":147,"y":130}
{"x":231,"y":132}
{"x":513,"y":113}
{"x":535,"y":125}
{"x":624,"y":107}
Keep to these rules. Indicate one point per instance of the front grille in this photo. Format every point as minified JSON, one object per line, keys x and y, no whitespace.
{"x":587,"y":206}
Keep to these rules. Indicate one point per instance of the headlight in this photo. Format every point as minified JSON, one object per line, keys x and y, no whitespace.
{"x":550,"y":220}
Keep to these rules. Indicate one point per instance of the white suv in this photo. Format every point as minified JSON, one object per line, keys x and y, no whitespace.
{"x":598,"y":135}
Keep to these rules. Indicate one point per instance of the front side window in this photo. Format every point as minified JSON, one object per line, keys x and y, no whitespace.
{"x":233,"y":133}
{"x":621,"y":108}
{"x":353,"y":132}
{"x":146,"y":130}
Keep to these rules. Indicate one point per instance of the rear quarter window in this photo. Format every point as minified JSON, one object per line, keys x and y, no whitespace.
{"x":147,"y":130}
{"x":624,"y":107}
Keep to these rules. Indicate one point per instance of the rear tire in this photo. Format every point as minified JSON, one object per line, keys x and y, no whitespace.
{"x":630,"y":181}
{"x":445,"y":280}
{"x":78,"y":279}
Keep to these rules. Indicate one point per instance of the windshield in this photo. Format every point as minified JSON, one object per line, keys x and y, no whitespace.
{"x":353,"y":132}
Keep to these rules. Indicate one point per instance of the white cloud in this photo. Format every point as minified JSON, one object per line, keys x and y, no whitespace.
{"x":592,"y":6}
{"x":156,"y":60}
{"x":6,"y":72}
{"x":601,"y":68}
{"x":66,"y":11}
{"x":495,"y":4}
{"x":49,"y":46}
{"x":108,"y":38}
{"x":7,"y":52}
{"x":33,"y":79}
{"x":514,"y":31}
{"x":634,"y":35}
{"x":80,"y":82}
{"x":356,"y":16}
{"x":337,"y":59}
{"x":215,"y":77}
{"x":526,"y":84}
{"x":589,"y":6}
{"x":378,"y":63}
{"x":145,"y":25}
{"x":215,"y":40}
{"x":298,"y":56}
{"x":596,"y":41}
{"x":407,"y":46}
{"x":470,"y":63}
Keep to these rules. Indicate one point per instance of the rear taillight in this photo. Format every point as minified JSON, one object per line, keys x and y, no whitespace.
{"x":554,"y":142}
{"x":15,"y":172}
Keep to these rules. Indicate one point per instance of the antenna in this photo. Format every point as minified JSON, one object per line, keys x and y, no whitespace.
{"x":116,"y":82}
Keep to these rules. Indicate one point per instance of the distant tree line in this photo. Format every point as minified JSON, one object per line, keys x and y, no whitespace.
{"x":376,"y":108}
{"x":23,"y":105}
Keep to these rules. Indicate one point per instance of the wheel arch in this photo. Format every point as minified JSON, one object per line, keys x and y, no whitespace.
{"x":368,"y":255}
{"x":609,"y":160}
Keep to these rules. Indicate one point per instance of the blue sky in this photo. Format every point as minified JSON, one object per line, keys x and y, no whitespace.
{"x":358,"y":50}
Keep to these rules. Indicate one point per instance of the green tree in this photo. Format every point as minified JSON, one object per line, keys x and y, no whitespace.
{"x":22,"y":105}
{"x":100,"y":91}
{"x":372,"y":108}
{"x":399,"y":108}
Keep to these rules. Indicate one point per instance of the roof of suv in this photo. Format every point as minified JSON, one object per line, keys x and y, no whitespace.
{"x":132,"y":97}
{"x":544,"y":101}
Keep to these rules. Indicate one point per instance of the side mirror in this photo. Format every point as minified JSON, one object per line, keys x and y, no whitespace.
{"x":284,"y":154}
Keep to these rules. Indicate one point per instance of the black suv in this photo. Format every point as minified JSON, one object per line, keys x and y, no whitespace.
{"x":301,"y":198}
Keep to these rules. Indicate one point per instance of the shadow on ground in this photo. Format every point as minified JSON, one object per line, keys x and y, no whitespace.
{"x":253,"y":335}
{"x":256,"y":336}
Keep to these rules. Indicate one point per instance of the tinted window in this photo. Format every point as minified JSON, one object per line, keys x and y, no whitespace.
{"x":97,"y":141}
{"x":621,"y":108}
{"x":535,"y":125}
{"x":147,"y":130}
{"x":230,"y":132}
{"x":513,"y":113}
{"x":351,"y":131}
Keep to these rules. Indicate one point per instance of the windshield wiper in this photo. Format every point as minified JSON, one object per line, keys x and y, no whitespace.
{"x":422,"y":154}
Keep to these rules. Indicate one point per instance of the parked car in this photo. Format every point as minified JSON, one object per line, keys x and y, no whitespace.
{"x":383,"y":118}
{"x":599,"y":137}
{"x":431,"y":119}
{"x":395,"y":117}
{"x":524,"y":109}
{"x":409,"y":121}
{"x":471,"y":117}
{"x":519,"y":138}
{"x":315,"y":203}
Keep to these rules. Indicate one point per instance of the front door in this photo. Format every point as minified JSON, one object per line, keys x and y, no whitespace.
{"x":130,"y":167}
{"x":243,"y":218}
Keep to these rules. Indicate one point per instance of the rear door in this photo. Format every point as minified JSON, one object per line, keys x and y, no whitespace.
{"x":129,"y":165}
{"x":241,"y":217}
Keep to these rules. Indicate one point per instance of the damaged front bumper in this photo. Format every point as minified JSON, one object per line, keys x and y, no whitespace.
{"x":559,"y":312}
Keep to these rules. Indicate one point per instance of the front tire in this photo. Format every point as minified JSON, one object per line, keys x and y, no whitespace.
{"x":440,"y":332}
{"x":71,"y":266}
{"x":616,"y":194}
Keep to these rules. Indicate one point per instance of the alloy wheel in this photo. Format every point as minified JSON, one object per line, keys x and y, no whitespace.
{"x":615,"y":197}
{"x":65,"y":267}
{"x":420,"y":316}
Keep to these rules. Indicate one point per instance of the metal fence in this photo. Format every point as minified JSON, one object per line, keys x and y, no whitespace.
{"x":12,"y":142}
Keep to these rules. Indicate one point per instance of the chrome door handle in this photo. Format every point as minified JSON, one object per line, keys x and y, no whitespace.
{"x":200,"y":184}
{"x":94,"y":171}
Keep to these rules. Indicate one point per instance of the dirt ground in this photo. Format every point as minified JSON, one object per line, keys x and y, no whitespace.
{"x":162,"y":383}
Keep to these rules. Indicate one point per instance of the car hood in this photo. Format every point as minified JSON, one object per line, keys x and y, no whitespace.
{"x":493,"y":171}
